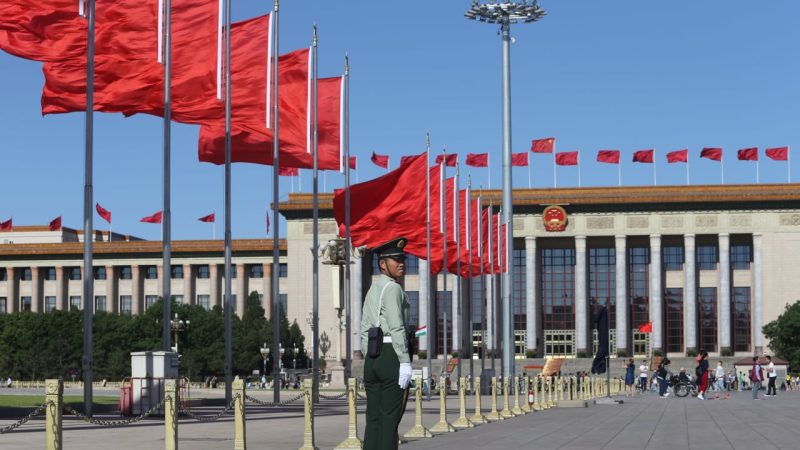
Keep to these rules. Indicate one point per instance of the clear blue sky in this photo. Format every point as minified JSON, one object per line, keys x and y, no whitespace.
{"x":627,"y":75}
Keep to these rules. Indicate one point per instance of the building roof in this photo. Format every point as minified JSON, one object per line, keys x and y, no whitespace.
{"x":139,"y":247}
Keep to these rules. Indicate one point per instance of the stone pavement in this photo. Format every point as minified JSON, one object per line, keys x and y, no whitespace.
{"x":646,"y":422}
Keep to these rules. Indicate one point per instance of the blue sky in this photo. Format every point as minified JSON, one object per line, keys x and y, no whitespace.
{"x":627,"y":75}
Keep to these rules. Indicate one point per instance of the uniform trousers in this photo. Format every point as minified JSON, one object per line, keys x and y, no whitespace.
{"x":386,"y":402}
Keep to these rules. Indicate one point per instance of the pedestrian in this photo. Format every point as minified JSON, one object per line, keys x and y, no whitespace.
{"x":772,"y":376}
{"x":719,"y":380}
{"x":630,"y":377}
{"x":663,"y":375}
{"x":8,"y":382}
{"x":702,"y":375}
{"x":385,"y":332}
{"x":757,"y":377}
{"x":263,"y":381}
{"x":643,"y":369}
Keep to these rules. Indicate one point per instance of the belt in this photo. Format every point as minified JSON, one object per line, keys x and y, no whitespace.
{"x":387,"y":339}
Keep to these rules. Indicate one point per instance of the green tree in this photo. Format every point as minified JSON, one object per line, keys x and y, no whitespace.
{"x":784,"y":335}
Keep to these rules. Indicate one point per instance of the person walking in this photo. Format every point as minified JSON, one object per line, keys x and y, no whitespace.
{"x":662,"y":375}
{"x":630,"y":377}
{"x":719,"y":380}
{"x":702,"y":375}
{"x":643,"y":369}
{"x":757,"y":377}
{"x":385,"y":332}
{"x":772,"y":376}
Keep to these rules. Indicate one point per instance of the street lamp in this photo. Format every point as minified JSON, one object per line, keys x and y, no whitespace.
{"x":294,"y":357}
{"x":282,"y":351}
{"x":506,"y":13}
{"x":178,"y":325}
{"x":265,"y":355}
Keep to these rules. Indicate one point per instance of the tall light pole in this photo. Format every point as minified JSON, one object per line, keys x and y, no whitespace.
{"x":506,"y":13}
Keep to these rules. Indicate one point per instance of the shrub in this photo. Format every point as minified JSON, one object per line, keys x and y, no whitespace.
{"x":530,"y":354}
{"x":657,"y":353}
{"x":691,"y":352}
{"x":622,"y":353}
{"x":454,"y":355}
{"x":581,"y":354}
{"x":422,"y":355}
{"x":488,"y":353}
{"x":322,"y":363}
{"x":726,"y":352}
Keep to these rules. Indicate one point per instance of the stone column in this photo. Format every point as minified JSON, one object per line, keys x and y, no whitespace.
{"x":267,"y":290}
{"x":621,"y":279}
{"x":758,"y":305}
{"x":136,"y":288}
{"x":160,"y":281}
{"x":656,"y":291}
{"x":724,"y":298}
{"x":455,"y":324}
{"x":424,"y":277}
{"x":532,"y":318}
{"x":36,"y":291}
{"x":357,"y":276}
{"x":111,"y":290}
{"x":690,"y":294}
{"x":188,"y":283}
{"x":213,"y":285}
{"x":12,"y":300}
{"x":241,"y":290}
{"x":581,"y":297}
{"x":61,"y":289}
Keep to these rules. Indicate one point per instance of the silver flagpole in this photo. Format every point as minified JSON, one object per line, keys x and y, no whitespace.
{"x":687,"y":166}
{"x":501,"y":328}
{"x":457,"y":232}
{"x":166,"y":224}
{"x":654,"y":167}
{"x":468,"y":235}
{"x":491,"y":298}
{"x":276,"y":264}
{"x":483,"y":283}
{"x":619,"y":169}
{"x":429,"y":331}
{"x":315,"y":242}
{"x":227,"y":270}
{"x":443,"y":226}
{"x":348,"y":244}
{"x":88,"y":226}
{"x":757,"y":167}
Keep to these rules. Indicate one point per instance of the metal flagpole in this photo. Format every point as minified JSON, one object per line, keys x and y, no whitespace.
{"x":347,"y":243}
{"x":483,"y":282}
{"x":88,"y":226}
{"x":529,"y":173}
{"x":721,"y":168}
{"x":554,"y":161}
{"x":490,"y":294}
{"x":619,"y":170}
{"x":166,"y":225}
{"x":501,"y":328}
{"x":579,"y":168}
{"x":429,"y":333}
{"x":757,"y":167}
{"x":276,"y":266}
{"x":227,"y":270}
{"x":687,"y":166}
{"x":789,"y":163}
{"x":443,"y":226}
{"x":654,"y":167}
{"x":458,"y":318}
{"x":315,"y":241}
{"x":469,"y":292}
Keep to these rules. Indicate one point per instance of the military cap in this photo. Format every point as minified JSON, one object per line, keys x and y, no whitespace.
{"x":392,"y":249}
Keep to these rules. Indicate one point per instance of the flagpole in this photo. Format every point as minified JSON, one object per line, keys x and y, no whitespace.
{"x":88,"y":226}
{"x":214,"y":226}
{"x":789,"y":163}
{"x":498,"y":329}
{"x":654,"y":171}
{"x":529,"y":174}
{"x":315,"y":242}
{"x":457,"y":232}
{"x":491,"y":299}
{"x":619,"y":169}
{"x":757,"y":182}
{"x":579,"y":168}
{"x":429,"y":333}
{"x":166,"y":225}
{"x":469,"y":292}
{"x":110,"y":233}
{"x":483,"y":283}
{"x":443,"y":222}
{"x":227,"y":270}
{"x":347,"y":243}
{"x":722,"y":168}
{"x":554,"y":162}
{"x":276,"y":293}
{"x":489,"y":167}
{"x":687,"y":166}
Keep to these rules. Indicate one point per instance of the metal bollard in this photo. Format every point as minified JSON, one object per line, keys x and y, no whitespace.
{"x":239,"y":441}
{"x":352,"y":440}
{"x":526,"y":407}
{"x":443,"y":426}
{"x":171,"y":414}
{"x":462,"y":421}
{"x":54,"y":390}
{"x":418,"y":431}
{"x":517,"y":410}
{"x":308,"y":432}
{"x":493,"y":414}
{"x":536,"y":405}
{"x":506,"y":412}
{"x":478,"y":417}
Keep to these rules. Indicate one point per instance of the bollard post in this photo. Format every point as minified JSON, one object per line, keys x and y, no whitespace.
{"x":506,"y":412}
{"x":443,"y":426}
{"x":517,"y":410}
{"x":54,"y":390}
{"x":418,"y":431}
{"x":171,"y":414}
{"x":308,"y":432}
{"x":462,"y":421}
{"x":493,"y":414}
{"x":574,"y":389}
{"x":552,"y":387}
{"x":352,"y":440}
{"x":526,"y":407}
{"x":478,"y":417}
{"x":536,"y":405}
{"x":239,"y":441}
{"x":560,"y":389}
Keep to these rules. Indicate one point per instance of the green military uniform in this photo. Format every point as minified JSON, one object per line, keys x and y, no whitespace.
{"x":386,"y":400}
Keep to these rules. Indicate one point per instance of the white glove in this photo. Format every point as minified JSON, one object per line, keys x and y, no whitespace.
{"x":405,"y":375}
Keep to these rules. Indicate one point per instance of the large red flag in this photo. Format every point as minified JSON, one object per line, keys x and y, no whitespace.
{"x":519,"y":159}
{"x":353,"y":161}
{"x":543,"y":145}
{"x":288,"y":171}
{"x":7,"y":225}
{"x":155,"y":218}
{"x":778,"y":153}
{"x":712,"y":153}
{"x":452,"y":160}
{"x":208,"y":218}
{"x":608,"y":156}
{"x":380,"y":160}
{"x":678,"y":156}
{"x":478,"y":160}
{"x":567,"y":159}
{"x":748,"y":154}
{"x":55,"y":224}
{"x":643,"y":156}
{"x":41,"y":34}
{"x":104,"y":213}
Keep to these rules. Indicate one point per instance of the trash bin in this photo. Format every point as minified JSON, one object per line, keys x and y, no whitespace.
{"x":486,"y":381}
{"x":125,"y":405}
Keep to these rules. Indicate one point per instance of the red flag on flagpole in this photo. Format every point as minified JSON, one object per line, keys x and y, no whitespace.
{"x":7,"y":225}
{"x":55,"y":224}
{"x":543,"y":145}
{"x":712,"y":153}
{"x":778,"y":153}
{"x":155,"y":218}
{"x":519,"y":159}
{"x":104,"y":213}
{"x":608,"y":156}
{"x":748,"y":154}
{"x":678,"y":156}
{"x":478,"y":160}
{"x":451,"y":160}
{"x":380,"y":160}
{"x":288,"y":171}
{"x":353,"y":160}
{"x":646,"y":328}
{"x":567,"y":159}
{"x":208,"y":218}
{"x":404,"y":159}
{"x":643,"y":156}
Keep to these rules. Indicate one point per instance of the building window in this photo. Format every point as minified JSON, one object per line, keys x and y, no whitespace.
{"x":639,"y":285}
{"x":100,"y":302}
{"x":444,"y":310}
{"x":412,"y":265}
{"x":478,"y":298}
{"x":100,"y":273}
{"x":603,"y":282}
{"x":257,"y":271}
{"x":741,"y":319}
{"x":178,"y":299}
{"x":3,"y":274}
{"x":707,"y":312}
{"x":673,"y":258}
{"x":234,"y":272}
{"x":74,"y":302}
{"x":284,"y":304}
{"x":519,"y":284}
{"x":673,"y":301}
{"x":125,"y":304}
{"x":177,"y":272}
{"x":125,"y":273}
{"x":3,"y":305}
{"x":25,"y":274}
{"x":706,"y":257}
{"x":413,"y":314}
{"x":49,"y":303}
{"x":204,"y":301}
{"x":284,"y":270}
{"x":149,"y":300}
{"x":151,"y":273}
{"x":49,"y":273}
{"x":558,"y":288}
{"x":26,"y":303}
{"x":740,"y":257}
{"x":74,"y":273}
{"x":203,"y":272}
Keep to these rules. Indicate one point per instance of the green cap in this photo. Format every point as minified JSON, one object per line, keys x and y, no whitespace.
{"x":392,"y":249}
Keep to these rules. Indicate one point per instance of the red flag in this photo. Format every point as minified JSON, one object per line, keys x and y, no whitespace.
{"x":155,"y":218}
{"x":353,"y":161}
{"x":405,"y":159}
{"x":712,"y":153}
{"x":380,"y":160}
{"x":646,"y":328}
{"x":608,"y":156}
{"x":42,"y":34}
{"x":452,"y":160}
{"x":55,"y":224}
{"x":519,"y":159}
{"x":478,"y":160}
{"x":543,"y":145}
{"x":748,"y":154}
{"x":7,"y":225}
{"x":778,"y":153}
{"x":643,"y":156}
{"x":678,"y":156}
{"x":208,"y":218}
{"x":567,"y":159}
{"x":288,"y":171}
{"x":104,"y":213}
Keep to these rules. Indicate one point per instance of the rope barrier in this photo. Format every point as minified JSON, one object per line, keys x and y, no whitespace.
{"x":211,"y":418}
{"x":116,"y":423}
{"x":25,"y":419}
{"x":263,"y":403}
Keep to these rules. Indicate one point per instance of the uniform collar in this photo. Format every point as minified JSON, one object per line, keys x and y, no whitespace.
{"x":388,"y":278}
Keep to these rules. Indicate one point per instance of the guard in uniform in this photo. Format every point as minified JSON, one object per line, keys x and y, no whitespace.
{"x":387,"y":375}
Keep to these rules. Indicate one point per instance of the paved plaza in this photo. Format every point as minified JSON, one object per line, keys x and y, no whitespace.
{"x":646,"y":422}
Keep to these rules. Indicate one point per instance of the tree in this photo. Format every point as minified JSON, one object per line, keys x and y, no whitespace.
{"x":784,"y":335}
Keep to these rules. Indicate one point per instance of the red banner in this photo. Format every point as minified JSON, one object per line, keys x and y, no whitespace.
{"x":543,"y":145}
{"x":643,"y":156}
{"x":567,"y":159}
{"x":678,"y":156}
{"x":478,"y":160}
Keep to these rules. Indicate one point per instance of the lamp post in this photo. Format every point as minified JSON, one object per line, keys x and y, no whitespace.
{"x":265,"y":355}
{"x":294,"y":357}
{"x":178,"y":325}
{"x":506,"y":13}
{"x":282,"y":351}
